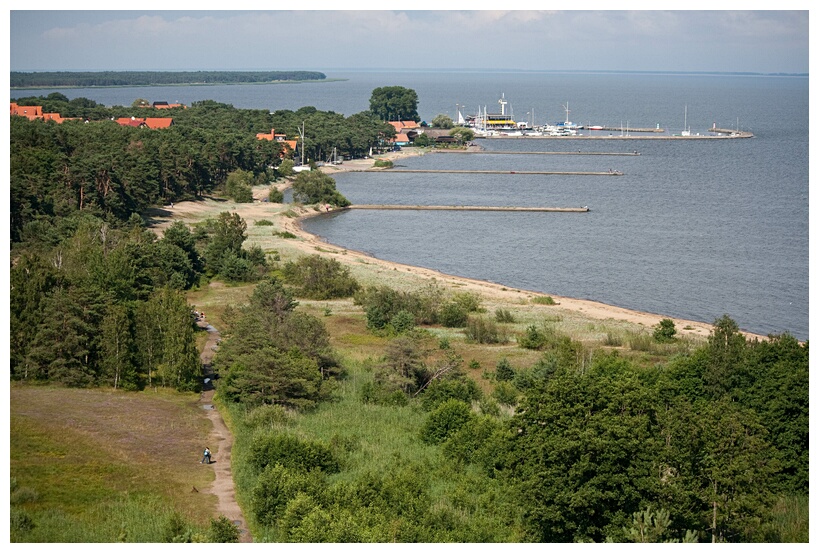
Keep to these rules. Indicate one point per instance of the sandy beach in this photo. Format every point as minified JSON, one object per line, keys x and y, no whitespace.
{"x":379,"y":270}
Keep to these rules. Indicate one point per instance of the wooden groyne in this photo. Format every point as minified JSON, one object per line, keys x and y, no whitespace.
{"x":491,"y":172}
{"x":583,"y":209}
{"x":497,"y":152}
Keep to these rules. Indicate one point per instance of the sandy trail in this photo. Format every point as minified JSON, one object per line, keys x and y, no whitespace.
{"x":221,"y":444}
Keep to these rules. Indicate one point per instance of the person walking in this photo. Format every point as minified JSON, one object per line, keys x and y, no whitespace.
{"x":205,"y":457}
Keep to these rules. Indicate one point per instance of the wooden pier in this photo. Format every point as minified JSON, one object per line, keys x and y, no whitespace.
{"x":497,"y":152}
{"x":583,"y":209}
{"x":492,"y":172}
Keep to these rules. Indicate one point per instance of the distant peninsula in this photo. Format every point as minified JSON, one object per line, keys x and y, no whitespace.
{"x":20,"y":79}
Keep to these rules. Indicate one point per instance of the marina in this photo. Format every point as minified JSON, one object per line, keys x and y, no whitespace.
{"x":503,"y":125}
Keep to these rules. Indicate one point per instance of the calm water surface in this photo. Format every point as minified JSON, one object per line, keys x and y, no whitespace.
{"x":693,"y":229}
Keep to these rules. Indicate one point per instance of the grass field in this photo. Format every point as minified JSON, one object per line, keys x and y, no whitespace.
{"x":105,"y":466}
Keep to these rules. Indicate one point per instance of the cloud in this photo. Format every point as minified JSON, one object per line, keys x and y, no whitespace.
{"x":520,"y":39}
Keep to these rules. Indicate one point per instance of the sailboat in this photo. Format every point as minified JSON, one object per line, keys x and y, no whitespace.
{"x":686,"y":131}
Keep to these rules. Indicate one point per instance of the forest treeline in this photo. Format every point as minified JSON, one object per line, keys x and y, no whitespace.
{"x":97,"y":166}
{"x":96,"y":298}
{"x":44,"y":79}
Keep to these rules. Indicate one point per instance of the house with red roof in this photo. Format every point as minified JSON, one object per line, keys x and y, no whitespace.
{"x":150,"y":122}
{"x":30,"y":112}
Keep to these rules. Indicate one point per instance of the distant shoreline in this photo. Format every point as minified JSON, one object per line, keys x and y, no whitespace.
{"x":69,"y":87}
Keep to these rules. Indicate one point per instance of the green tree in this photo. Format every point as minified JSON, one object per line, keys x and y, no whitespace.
{"x":394,"y":103}
{"x":665,"y":331}
{"x":445,"y":420}
{"x":442,"y":121}
{"x":726,"y":351}
{"x":314,"y":187}
{"x":239,"y":186}
{"x":117,"y":360}
{"x":463,"y":134}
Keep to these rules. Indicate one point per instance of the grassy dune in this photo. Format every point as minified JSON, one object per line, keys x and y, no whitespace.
{"x":105,"y":466}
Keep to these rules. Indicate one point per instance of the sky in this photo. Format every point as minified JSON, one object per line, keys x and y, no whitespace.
{"x":360,"y":37}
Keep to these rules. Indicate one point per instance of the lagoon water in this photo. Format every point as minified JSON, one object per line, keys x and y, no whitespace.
{"x":693,"y":229}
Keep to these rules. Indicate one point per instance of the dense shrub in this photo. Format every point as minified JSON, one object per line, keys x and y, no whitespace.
{"x":484,"y":331}
{"x":534,"y":338}
{"x":291,"y":452}
{"x":505,"y":394}
{"x":441,"y":390}
{"x":268,"y":415}
{"x":473,"y":436}
{"x":504,"y":315}
{"x":504,"y":370}
{"x":453,"y":315}
{"x":320,"y":278}
{"x":277,"y":485}
{"x":665,"y":331}
{"x":222,"y":530}
{"x":403,"y":321}
{"x":445,"y":420}
{"x":275,"y":195}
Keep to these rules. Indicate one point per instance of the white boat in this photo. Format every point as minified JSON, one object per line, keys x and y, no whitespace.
{"x":686,"y":130}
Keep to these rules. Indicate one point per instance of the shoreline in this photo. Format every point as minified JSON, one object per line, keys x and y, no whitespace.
{"x":289,"y":218}
{"x":590,"y":308}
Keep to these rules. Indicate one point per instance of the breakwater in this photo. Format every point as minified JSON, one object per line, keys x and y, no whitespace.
{"x":491,"y":172}
{"x":500,"y":152}
{"x":583,"y":209}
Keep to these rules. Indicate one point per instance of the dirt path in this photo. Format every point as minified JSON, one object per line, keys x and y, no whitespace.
{"x":221,"y":444}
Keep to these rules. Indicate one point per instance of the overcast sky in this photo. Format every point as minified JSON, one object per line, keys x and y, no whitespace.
{"x":748,"y":41}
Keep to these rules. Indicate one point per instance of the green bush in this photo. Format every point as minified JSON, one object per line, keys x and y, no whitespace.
{"x":469,"y":301}
{"x":441,"y":390}
{"x":665,"y":331}
{"x":319,"y":278}
{"x":268,"y":415}
{"x":446,"y":419}
{"x":386,"y":163}
{"x":276,"y":486}
{"x":504,"y":370}
{"x":453,"y":315}
{"x":264,"y":223}
{"x":471,"y":437}
{"x":534,"y":338}
{"x":505,"y":394}
{"x":289,"y":451}
{"x":544,"y":300}
{"x":222,"y":530}
{"x":484,"y":331}
{"x":275,"y":196}
{"x":504,"y":316}
{"x":403,"y":321}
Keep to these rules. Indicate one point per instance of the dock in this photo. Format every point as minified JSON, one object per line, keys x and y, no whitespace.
{"x":497,"y":152}
{"x":620,"y":129}
{"x":492,"y":172}
{"x":583,"y":209}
